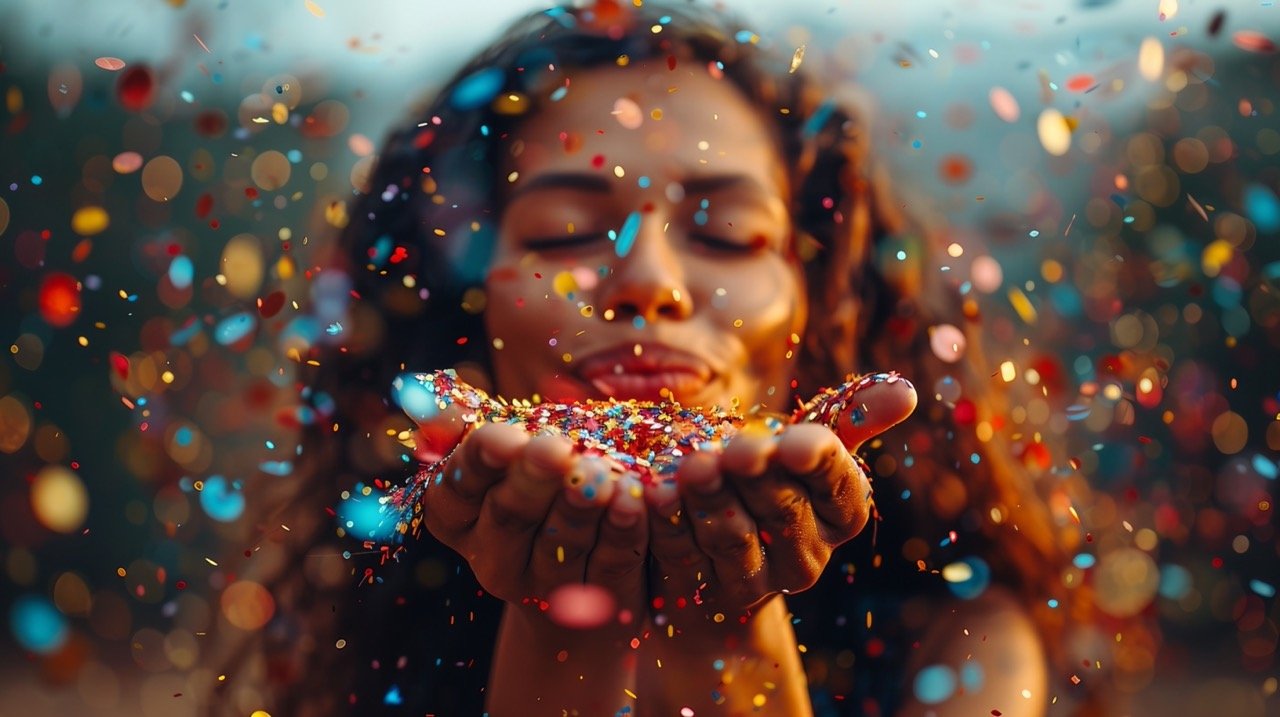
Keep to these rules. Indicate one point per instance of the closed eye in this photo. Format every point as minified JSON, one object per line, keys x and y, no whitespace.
{"x":731,"y":246}
{"x":562,"y":242}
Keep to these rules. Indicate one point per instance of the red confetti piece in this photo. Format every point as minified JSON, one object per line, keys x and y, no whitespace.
{"x":204,"y":205}
{"x":955,"y":169}
{"x":121,"y":365}
{"x":271,"y":305}
{"x":1080,"y":83}
{"x":59,"y":300}
{"x":211,"y":123}
{"x":1253,"y":41}
{"x":136,"y":89}
{"x":110,"y":64}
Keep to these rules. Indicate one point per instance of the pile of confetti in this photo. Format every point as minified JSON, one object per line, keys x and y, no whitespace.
{"x":638,"y":436}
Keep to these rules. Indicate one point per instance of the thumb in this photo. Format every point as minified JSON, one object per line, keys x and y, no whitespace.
{"x":443,"y":406}
{"x":863,"y":408}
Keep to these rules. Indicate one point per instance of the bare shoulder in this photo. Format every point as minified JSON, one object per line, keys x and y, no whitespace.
{"x":979,"y":657}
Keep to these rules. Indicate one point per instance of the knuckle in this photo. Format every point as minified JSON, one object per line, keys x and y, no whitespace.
{"x":504,"y":515}
{"x":789,"y":511}
{"x":616,"y":566}
{"x":736,"y":545}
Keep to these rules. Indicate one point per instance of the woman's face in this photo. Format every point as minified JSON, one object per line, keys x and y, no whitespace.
{"x":695,"y":295}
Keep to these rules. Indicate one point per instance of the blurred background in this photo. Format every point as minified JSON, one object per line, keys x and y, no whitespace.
{"x":170,"y":171}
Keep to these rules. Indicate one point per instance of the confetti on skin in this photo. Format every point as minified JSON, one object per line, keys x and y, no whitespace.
{"x":628,"y":113}
{"x":647,"y":438}
{"x":627,"y":236}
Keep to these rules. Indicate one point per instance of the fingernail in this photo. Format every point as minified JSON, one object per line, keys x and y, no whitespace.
{"x":586,"y":482}
{"x":491,"y":459}
{"x":665,"y":495}
{"x":628,"y":504}
{"x":707,"y":485}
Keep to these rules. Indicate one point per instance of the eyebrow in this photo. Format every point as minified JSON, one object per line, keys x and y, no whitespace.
{"x":600,"y":184}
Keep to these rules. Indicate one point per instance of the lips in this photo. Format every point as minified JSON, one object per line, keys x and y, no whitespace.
{"x":620,"y":373}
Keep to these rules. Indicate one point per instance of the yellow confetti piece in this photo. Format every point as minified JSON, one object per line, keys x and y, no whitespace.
{"x":1150,"y":59}
{"x":1008,"y":371}
{"x":797,"y":58}
{"x":211,"y":561}
{"x":564,"y":283}
{"x":88,"y":221}
{"x":630,"y":694}
{"x":314,"y":9}
{"x":559,"y":553}
{"x":1022,"y":305}
{"x":1054,"y":132}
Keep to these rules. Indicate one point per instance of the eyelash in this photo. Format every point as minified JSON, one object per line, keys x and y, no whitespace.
{"x":718,"y":244}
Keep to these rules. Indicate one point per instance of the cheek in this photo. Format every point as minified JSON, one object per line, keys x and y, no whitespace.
{"x":767,"y":299}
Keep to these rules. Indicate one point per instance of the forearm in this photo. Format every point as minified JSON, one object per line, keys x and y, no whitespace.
{"x":724,"y":668}
{"x":540,"y":668}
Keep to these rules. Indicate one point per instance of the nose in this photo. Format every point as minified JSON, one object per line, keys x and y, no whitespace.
{"x":648,"y":282}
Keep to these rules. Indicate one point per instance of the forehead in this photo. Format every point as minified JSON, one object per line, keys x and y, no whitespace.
{"x":646,"y":119}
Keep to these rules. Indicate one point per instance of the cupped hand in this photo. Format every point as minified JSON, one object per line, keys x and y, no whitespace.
{"x":762,"y":515}
{"x":531,"y":515}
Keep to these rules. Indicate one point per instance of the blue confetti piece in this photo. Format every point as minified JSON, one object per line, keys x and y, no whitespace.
{"x":183,"y":436}
{"x":393,"y":696}
{"x":181,"y":272}
{"x":1175,"y":582}
{"x":934,"y":684}
{"x":276,"y":468}
{"x":977,"y":582}
{"x":1266,"y":590}
{"x":627,"y":235}
{"x":478,"y":88}
{"x":221,"y":500}
{"x":1264,"y":466}
{"x":1084,"y":561}
{"x":1262,"y":207}
{"x":37,"y":625}
{"x":559,"y":94}
{"x":971,"y":676}
{"x":365,"y":516}
{"x":415,"y":397}
{"x":234,"y":327}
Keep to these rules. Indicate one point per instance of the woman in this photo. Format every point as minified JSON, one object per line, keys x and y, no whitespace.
{"x":750,"y":265}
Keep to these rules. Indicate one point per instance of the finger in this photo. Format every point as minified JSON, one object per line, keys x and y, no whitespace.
{"x":519,"y":503}
{"x":453,"y":499}
{"x":679,"y":567}
{"x":879,"y":402}
{"x":571,"y":527}
{"x":796,"y":549}
{"x":837,"y":487}
{"x":499,"y":545}
{"x":722,"y":527}
{"x":617,"y":559}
